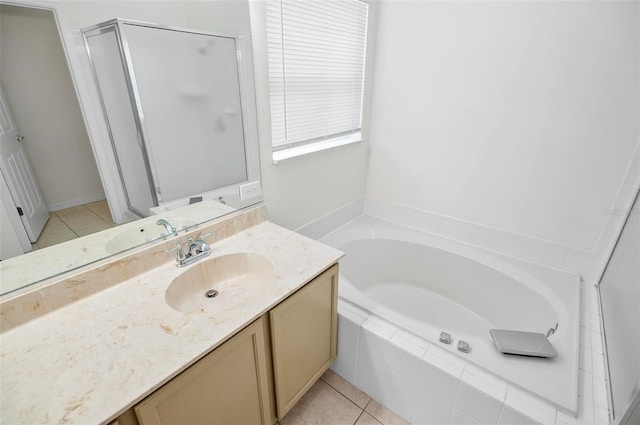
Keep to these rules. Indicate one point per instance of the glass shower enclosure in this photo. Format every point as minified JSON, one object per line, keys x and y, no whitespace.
{"x":173,"y":104}
{"x":619,"y":291}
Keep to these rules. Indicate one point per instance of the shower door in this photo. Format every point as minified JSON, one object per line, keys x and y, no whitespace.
{"x":177,"y":129}
{"x":114,"y":86}
{"x":190,"y":97}
{"x":620,"y":302}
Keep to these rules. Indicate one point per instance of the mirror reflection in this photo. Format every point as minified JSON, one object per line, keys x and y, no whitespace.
{"x":172,"y":99}
{"x":49,"y":171}
{"x":47,"y":162}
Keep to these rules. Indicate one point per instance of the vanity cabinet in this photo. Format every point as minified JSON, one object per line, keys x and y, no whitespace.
{"x":228,"y":386}
{"x":303,"y":338}
{"x":258,"y":374}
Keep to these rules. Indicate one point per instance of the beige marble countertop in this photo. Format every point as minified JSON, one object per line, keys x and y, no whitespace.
{"x":89,"y":361}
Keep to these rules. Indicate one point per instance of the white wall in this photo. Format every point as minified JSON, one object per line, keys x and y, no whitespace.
{"x":225,"y":16}
{"x":40,"y":92}
{"x":522,"y":116}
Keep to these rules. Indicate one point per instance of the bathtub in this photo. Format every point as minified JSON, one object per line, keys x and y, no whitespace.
{"x":423,"y":285}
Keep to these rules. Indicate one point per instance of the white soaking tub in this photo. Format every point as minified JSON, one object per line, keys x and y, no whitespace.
{"x":425,"y":284}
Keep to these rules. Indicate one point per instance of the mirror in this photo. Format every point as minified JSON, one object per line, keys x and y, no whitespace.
{"x":173,"y":101}
{"x":228,"y":17}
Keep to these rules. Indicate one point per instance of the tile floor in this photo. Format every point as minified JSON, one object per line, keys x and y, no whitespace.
{"x":74,"y":222}
{"x":332,"y":400}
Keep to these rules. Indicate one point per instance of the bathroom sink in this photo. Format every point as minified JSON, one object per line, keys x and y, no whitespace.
{"x":209,"y":281}
{"x":138,"y":235}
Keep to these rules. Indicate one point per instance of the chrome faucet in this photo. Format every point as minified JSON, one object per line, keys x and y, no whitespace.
{"x":195,"y":250}
{"x":198,"y":246}
{"x":169,"y":228}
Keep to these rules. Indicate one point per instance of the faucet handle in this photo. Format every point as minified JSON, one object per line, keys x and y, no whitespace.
{"x":180,"y":255}
{"x":192,"y":247}
{"x":203,"y":246}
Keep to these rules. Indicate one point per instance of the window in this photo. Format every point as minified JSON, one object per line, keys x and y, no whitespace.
{"x":316,"y":54}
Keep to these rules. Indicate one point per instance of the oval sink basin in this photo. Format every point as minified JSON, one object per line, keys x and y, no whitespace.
{"x":141,"y":234}
{"x":192,"y":290}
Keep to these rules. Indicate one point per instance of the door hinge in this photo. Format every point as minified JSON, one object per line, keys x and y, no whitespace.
{"x":20,"y":213}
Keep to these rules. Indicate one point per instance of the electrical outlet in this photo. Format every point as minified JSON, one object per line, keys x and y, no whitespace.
{"x":250,"y":190}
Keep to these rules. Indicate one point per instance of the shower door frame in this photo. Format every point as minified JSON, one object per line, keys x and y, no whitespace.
{"x":136,"y":103}
{"x":615,"y":417}
{"x":103,"y":28}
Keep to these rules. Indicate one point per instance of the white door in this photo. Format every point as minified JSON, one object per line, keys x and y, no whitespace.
{"x":20,"y":179}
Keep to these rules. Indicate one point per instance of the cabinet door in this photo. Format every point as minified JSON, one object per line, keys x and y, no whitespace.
{"x":228,"y":386}
{"x":303,"y":337}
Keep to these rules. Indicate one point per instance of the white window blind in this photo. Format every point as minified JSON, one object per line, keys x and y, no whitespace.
{"x":316,"y":54}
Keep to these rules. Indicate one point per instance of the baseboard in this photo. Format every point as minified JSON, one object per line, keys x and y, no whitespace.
{"x":75,"y":202}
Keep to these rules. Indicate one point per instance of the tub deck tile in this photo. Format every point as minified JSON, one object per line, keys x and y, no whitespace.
{"x":477,"y":405}
{"x":446,"y":361}
{"x":411,"y":343}
{"x":485,"y":382}
{"x":530,"y":406}
{"x":379,"y":327}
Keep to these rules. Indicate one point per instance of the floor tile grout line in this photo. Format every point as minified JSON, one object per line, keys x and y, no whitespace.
{"x":61,"y":221}
{"x":84,"y":207}
{"x":110,"y":222}
{"x":344,"y":395}
{"x":68,"y":226}
{"x":65,"y":224}
{"x":366,"y":413}
{"x":358,"y":418}
{"x":96,"y":214}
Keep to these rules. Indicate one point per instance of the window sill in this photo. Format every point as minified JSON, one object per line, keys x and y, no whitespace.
{"x":298,"y":151}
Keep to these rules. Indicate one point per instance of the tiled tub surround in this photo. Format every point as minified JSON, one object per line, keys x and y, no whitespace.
{"x":426,"y":384}
{"x":99,"y":351}
{"x":592,"y":400}
{"x":589,"y":265}
{"x":426,"y":284}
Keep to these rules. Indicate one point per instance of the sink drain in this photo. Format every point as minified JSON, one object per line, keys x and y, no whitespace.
{"x":211,"y":293}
